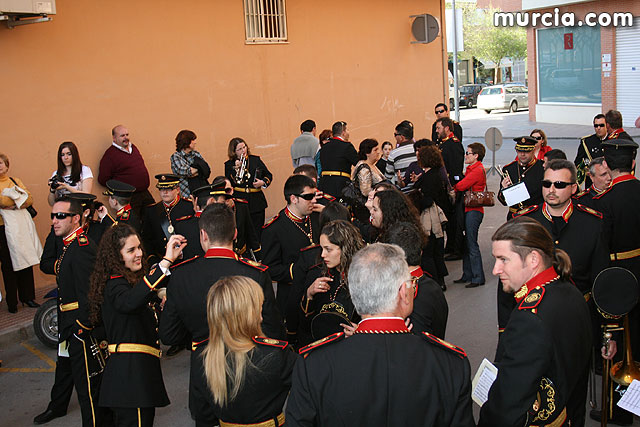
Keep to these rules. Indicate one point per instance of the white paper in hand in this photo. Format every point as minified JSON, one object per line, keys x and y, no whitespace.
{"x":516,"y":194}
{"x":482,"y":381}
{"x":631,"y":399}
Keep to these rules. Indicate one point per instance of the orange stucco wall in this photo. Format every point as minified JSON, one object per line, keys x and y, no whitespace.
{"x":161,"y":66}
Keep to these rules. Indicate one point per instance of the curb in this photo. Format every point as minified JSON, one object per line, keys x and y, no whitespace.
{"x":17,"y":334}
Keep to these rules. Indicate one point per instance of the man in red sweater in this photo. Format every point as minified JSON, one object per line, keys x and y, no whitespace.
{"x":123,"y":162}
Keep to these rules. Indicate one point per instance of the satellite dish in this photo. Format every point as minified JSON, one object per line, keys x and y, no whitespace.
{"x":425,"y":28}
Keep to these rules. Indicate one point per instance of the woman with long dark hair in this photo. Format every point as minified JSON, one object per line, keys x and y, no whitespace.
{"x":327,"y":303}
{"x":366,"y":174}
{"x":249,"y":175}
{"x":119,"y":296}
{"x":249,"y":376}
{"x":71,"y":176}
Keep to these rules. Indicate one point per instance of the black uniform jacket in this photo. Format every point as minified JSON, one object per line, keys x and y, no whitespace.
{"x":266,"y":385}
{"x":50,"y":252}
{"x":578,"y":232}
{"x":430,"y":308}
{"x":548,"y":335}
{"x":159,"y":221}
{"x":588,"y":149}
{"x":532,"y":176}
{"x":337,"y":155}
{"x":185,"y":312}
{"x":457,"y":131}
{"x":73,"y":268}
{"x":245,"y":190}
{"x":282,"y":238}
{"x":318,"y":316}
{"x":381,"y":376}
{"x":618,"y":133}
{"x":586,"y":197}
{"x":132,"y":379}
{"x":453,"y":158}
{"x":127,"y":216}
{"x":308,"y":258}
{"x":188,"y":228}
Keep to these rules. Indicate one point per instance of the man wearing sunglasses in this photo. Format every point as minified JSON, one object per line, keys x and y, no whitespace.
{"x":73,"y":268}
{"x":590,"y":149}
{"x":441,"y":111}
{"x":294,"y":228}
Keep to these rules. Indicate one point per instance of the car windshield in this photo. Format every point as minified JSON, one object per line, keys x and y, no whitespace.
{"x":492,"y":91}
{"x":466,"y":89}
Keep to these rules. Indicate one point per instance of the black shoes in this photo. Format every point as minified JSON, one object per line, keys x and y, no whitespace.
{"x":474,"y":285}
{"x":13,"y":309}
{"x":46,"y":416}
{"x":596,"y":415}
{"x":31,"y":304}
{"x":461,"y":280}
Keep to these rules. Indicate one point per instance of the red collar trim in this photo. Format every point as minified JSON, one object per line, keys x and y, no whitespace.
{"x":616,"y":132}
{"x":566,"y":214}
{"x":293,"y":217}
{"x":417,"y":272}
{"x":71,"y":237}
{"x":173,"y":202}
{"x":221,"y":253}
{"x":542,"y":279}
{"x":123,"y":209}
{"x":595,"y":190}
{"x":622,"y":178}
{"x":198,"y":213}
{"x":340,"y":138}
{"x":382,"y":325}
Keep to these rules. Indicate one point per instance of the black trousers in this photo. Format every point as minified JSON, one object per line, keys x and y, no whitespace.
{"x":62,"y":387}
{"x":87,"y":386}
{"x":134,"y":417}
{"x":17,"y":284}
{"x":257,"y":219}
{"x":455,"y":227}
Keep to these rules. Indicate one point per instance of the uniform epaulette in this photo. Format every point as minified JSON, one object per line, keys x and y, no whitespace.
{"x":338,"y":336}
{"x":235,"y":199}
{"x":526,"y":210}
{"x":83,"y":240}
{"x":182,"y":218}
{"x":603,"y":193}
{"x":125,"y":216}
{"x":586,"y":136}
{"x":270,"y":342}
{"x":153,"y":204}
{"x":581,"y":193}
{"x":268,"y":223}
{"x":442,"y":343}
{"x":306,"y":248}
{"x":184,"y":262}
{"x":252,"y":263}
{"x":532,"y":299}
{"x":508,"y":164}
{"x":328,"y":197}
{"x":186,"y":199}
{"x":587,"y":209}
{"x":116,"y":276}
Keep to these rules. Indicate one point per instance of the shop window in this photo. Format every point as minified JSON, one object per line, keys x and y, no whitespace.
{"x":569,"y":65}
{"x":265,"y":21}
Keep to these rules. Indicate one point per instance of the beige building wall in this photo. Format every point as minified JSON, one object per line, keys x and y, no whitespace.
{"x":161,"y":66}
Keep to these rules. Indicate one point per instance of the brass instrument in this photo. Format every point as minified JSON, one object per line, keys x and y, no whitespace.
{"x":615,"y":293}
{"x":582,"y":170}
{"x":100,"y":352}
{"x":242,"y":173}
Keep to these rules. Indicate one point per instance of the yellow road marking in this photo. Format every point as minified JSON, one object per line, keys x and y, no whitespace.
{"x":40,"y":355}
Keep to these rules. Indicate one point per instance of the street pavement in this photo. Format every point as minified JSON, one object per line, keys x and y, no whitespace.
{"x":26,"y":374}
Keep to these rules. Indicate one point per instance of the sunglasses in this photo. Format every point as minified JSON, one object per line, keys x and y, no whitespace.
{"x":558,"y":184}
{"x":61,"y":215}
{"x":537,"y":138}
{"x":307,"y":196}
{"x":440,"y":111}
{"x":599,"y":125}
{"x":469,"y":153}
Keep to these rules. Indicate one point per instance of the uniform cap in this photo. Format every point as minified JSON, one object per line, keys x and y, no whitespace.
{"x":525,"y":143}
{"x":167,"y":180}
{"x":85,"y":199}
{"x":119,"y":189}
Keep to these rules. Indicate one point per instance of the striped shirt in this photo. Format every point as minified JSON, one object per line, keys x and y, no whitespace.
{"x":401,"y":157}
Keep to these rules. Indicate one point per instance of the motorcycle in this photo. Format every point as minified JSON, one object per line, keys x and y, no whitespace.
{"x":45,"y":322}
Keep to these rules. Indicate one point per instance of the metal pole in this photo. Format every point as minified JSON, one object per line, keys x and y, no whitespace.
{"x":455,"y":62}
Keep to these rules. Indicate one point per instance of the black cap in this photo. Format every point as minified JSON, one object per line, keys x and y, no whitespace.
{"x":212,"y":190}
{"x":85,"y":199}
{"x":615,"y":291}
{"x":167,"y":180}
{"x":525,"y":143}
{"x":119,"y":189}
{"x":619,"y":144}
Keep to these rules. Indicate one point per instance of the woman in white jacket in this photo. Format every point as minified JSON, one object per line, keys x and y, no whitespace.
{"x":16,"y":283}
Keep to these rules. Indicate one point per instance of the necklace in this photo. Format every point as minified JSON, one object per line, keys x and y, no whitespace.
{"x":343,"y":283}
{"x":307,"y":222}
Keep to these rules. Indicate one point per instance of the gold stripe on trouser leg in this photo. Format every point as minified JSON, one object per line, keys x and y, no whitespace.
{"x":139,"y":419}
{"x":86,"y":370}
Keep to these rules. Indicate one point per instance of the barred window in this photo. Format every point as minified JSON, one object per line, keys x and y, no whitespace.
{"x":265,"y":21}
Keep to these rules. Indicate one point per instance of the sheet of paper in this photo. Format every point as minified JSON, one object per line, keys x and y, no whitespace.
{"x":63,"y":349}
{"x":631,"y":399}
{"x":516,"y":194}
{"x":482,"y":381}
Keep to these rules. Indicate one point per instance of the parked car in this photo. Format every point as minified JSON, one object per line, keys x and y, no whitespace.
{"x":510,"y":96}
{"x":469,"y":94}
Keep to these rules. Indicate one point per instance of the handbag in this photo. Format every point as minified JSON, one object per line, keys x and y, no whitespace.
{"x":352,"y":194}
{"x":476,"y":199}
{"x":32,"y":211}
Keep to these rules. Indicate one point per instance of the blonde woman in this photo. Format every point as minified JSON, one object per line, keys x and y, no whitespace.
{"x":249,"y":376}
